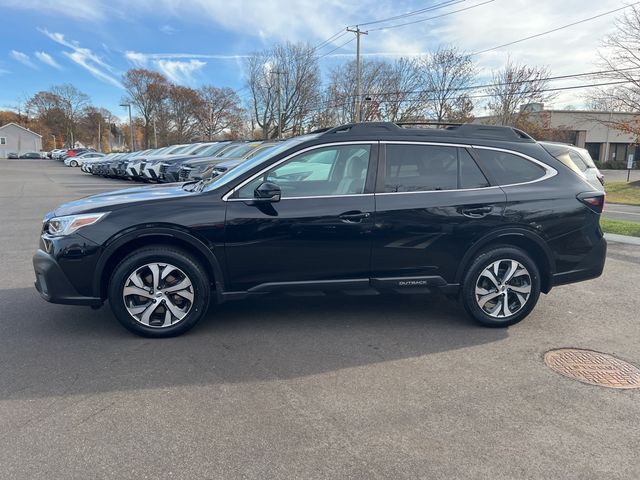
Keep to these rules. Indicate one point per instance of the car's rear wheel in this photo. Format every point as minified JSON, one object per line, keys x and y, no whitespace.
{"x":159,"y":292}
{"x":501,"y":287}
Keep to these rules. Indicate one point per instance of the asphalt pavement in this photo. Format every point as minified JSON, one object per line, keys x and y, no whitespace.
{"x":394,"y":387}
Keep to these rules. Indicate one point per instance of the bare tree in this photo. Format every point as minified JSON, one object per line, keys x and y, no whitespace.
{"x":219,"y":111}
{"x":146,"y":91}
{"x":184,"y":103}
{"x":447,"y":75}
{"x":285,"y":77}
{"x":516,"y":85}
{"x":72,"y":103}
{"x":620,"y":60}
{"x":403,"y":98}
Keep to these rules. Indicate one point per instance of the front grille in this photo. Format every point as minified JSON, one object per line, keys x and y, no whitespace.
{"x":184,"y":174}
{"x":163,"y":168}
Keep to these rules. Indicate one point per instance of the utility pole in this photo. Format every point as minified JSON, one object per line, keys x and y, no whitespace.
{"x":278,"y":73}
{"x":358,"y":32}
{"x":99,"y":137}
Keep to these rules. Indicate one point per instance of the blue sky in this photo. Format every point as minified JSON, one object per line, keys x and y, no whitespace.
{"x":90,"y":43}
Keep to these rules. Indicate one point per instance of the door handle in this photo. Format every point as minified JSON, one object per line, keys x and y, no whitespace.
{"x":476,"y":212}
{"x":354,"y":217}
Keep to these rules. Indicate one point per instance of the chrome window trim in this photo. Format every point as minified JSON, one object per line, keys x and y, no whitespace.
{"x":492,"y":187}
{"x":549,"y":170}
{"x":312,"y":196}
{"x":226,"y":196}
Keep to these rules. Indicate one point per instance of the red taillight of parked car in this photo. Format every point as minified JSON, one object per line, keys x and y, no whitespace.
{"x":595,"y":201}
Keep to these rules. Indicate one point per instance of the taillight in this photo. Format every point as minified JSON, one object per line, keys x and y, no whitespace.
{"x":595,"y":201}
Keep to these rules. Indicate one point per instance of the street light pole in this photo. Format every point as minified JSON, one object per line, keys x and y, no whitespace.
{"x":133,"y":145}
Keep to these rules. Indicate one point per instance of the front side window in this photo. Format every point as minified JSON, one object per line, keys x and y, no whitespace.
{"x":507,"y":168}
{"x":335,"y":170}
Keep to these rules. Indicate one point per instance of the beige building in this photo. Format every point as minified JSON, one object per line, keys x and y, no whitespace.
{"x":593,"y":130}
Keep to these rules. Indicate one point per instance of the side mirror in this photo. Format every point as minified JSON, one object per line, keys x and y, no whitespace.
{"x":267,"y":192}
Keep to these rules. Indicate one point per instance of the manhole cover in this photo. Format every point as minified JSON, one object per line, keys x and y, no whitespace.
{"x":594,"y":368}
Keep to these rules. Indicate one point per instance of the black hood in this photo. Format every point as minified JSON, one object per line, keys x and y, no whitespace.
{"x":107,"y":201}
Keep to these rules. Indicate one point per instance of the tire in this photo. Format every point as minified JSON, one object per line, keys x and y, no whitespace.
{"x":73,"y":163}
{"x":483,"y":297}
{"x":172,"y":300}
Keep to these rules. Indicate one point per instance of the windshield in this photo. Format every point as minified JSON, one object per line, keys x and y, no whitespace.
{"x":211,"y":149}
{"x":177,"y":149}
{"x":233,"y":173}
{"x":241,"y":150}
{"x":201,"y":148}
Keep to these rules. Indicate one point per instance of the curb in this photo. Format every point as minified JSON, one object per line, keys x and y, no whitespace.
{"x":613,"y":237}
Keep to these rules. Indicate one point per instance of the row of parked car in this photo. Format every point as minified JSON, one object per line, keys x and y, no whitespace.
{"x":176,"y":163}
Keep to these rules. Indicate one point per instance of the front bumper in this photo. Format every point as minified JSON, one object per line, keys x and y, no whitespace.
{"x":54,"y":286}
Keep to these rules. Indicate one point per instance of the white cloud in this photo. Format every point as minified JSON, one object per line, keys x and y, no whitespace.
{"x":44,"y":57}
{"x":168,"y":29}
{"x":80,"y":9}
{"x":178,"y":71}
{"x":22,"y":58}
{"x":86,"y":58}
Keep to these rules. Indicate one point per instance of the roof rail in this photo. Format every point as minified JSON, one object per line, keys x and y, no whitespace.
{"x":431,"y":124}
{"x":465,"y":130}
{"x":364,"y":127}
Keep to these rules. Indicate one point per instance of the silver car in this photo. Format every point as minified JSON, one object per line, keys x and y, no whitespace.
{"x":579,"y":160}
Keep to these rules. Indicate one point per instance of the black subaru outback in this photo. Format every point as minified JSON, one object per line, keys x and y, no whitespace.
{"x":484,"y":214}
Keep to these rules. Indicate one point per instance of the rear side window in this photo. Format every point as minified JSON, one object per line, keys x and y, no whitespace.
{"x":508,"y":168}
{"x":420,"y":168}
{"x":416,"y":168}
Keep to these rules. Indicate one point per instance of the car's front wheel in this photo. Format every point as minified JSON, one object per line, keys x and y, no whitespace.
{"x":73,"y":163}
{"x":501,"y":287}
{"x":159,"y":291}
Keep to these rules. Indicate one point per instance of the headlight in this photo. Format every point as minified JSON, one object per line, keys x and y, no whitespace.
{"x":61,"y":226}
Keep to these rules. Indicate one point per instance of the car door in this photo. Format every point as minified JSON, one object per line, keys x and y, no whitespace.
{"x":319,"y":231}
{"x":432,"y":203}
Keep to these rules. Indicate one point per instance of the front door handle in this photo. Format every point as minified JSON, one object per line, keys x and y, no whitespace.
{"x":354,"y":217}
{"x":476,"y":212}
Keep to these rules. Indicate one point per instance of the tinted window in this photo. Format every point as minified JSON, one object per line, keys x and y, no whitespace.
{"x":470,"y":174}
{"x":507,"y":168}
{"x":337,"y":170}
{"x":415,"y":168}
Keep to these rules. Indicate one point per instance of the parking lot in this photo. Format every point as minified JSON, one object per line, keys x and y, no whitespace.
{"x":323,"y":387}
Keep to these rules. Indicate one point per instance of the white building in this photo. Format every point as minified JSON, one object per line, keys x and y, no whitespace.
{"x":17,"y":139}
{"x":593,"y":130}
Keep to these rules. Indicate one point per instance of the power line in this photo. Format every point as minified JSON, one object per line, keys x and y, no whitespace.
{"x":327,"y":103}
{"x":555,"y":29}
{"x":337,"y":48}
{"x":415,"y":12}
{"x":432,"y":18}
{"x":330,"y":40}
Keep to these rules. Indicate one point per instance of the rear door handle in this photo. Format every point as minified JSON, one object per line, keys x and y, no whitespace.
{"x":354,"y":217}
{"x":476,"y":212}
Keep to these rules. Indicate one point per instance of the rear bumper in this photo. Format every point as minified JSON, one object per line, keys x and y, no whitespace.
{"x":590,"y":267}
{"x":54,"y":286}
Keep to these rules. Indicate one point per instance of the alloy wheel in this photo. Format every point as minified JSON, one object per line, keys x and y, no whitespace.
{"x":503,"y":288}
{"x":158,"y":295}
